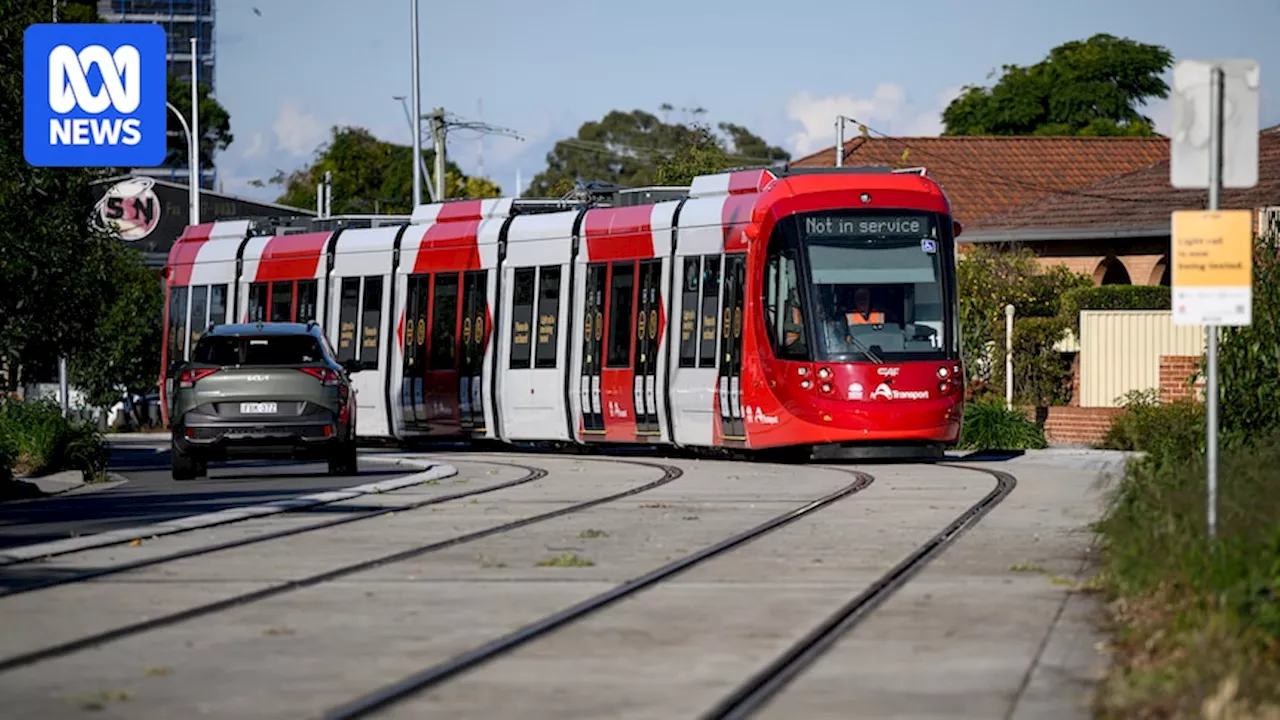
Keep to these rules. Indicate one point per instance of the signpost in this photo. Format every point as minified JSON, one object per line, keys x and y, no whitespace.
{"x":1214,"y":145}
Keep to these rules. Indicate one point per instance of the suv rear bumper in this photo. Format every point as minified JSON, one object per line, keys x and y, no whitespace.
{"x":211,"y":437}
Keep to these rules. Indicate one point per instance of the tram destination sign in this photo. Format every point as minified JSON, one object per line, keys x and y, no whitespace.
{"x":912,"y":226}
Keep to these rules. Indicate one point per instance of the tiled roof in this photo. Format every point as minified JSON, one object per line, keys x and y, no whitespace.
{"x":1143,"y":198}
{"x":988,"y":175}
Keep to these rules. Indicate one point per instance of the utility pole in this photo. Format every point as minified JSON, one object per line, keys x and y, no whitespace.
{"x":422,"y":162}
{"x":417,"y":107}
{"x":441,"y":121}
{"x":437,"y":133}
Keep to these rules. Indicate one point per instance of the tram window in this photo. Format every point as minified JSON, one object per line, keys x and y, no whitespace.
{"x":348,"y":312}
{"x":522,"y":295}
{"x":784,"y":313}
{"x":620,"y":307}
{"x":281,"y":301}
{"x":710,"y":310}
{"x":199,"y":311}
{"x":689,"y":313}
{"x":307,"y":290}
{"x":218,"y":304}
{"x":371,"y":316}
{"x":444,"y":323}
{"x":258,"y":302}
{"x":177,"y":323}
{"x":548,"y":315}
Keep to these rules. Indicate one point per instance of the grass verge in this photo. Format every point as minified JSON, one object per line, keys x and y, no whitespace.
{"x":1195,"y":621}
{"x":35,"y":439}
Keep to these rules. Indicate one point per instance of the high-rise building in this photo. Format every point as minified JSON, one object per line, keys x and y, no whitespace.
{"x":181,"y":20}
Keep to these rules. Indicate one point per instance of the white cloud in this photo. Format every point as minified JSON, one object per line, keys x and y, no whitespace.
{"x":255,"y":148}
{"x":888,"y":111}
{"x":296,"y":131}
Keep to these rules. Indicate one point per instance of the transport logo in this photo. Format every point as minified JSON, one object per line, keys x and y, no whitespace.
{"x":94,"y":95}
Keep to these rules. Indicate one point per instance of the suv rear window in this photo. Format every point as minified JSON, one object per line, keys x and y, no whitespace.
{"x":258,"y":350}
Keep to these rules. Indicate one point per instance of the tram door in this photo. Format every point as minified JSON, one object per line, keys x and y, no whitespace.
{"x":644,"y":384}
{"x":417,"y":302}
{"x":471,"y":363}
{"x":592,"y":350}
{"x":732,"y":426}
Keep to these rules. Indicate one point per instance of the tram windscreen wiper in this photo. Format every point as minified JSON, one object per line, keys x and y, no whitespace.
{"x":865,"y":350}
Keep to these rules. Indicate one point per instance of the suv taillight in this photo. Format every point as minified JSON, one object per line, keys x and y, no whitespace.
{"x":324,"y":375}
{"x":188,"y":378}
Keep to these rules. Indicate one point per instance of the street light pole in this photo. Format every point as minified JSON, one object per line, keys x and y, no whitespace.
{"x":417,"y":107}
{"x":193,"y":209}
{"x":194,"y":133}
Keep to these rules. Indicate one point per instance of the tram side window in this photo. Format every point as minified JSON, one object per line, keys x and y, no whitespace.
{"x":307,"y":291}
{"x":444,"y":323}
{"x":218,"y":304}
{"x":258,"y":302}
{"x":522,"y":295}
{"x":548,"y":315}
{"x":199,"y":312}
{"x":281,"y":301}
{"x":371,"y":317}
{"x":689,"y":312}
{"x":348,"y":313}
{"x":710,"y":310}
{"x":177,"y":323}
{"x":620,"y":292}
{"x":783,"y":310}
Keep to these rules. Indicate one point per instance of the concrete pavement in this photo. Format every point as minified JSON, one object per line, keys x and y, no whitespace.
{"x":979,"y":633}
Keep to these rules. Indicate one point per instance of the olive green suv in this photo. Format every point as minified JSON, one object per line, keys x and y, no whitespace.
{"x":262,"y":390}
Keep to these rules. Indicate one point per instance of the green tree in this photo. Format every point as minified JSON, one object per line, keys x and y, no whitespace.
{"x":122,"y":352}
{"x":1090,"y":87}
{"x":215,"y":125}
{"x":637,"y":148}
{"x":370,"y":175}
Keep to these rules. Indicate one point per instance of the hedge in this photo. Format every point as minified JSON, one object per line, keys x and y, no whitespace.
{"x":1112,"y":297}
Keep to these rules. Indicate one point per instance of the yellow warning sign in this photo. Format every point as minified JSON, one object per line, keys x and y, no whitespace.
{"x":1213,"y":248}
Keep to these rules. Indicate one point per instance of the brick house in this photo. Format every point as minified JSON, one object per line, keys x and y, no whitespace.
{"x":988,"y":176}
{"x":1117,"y":230}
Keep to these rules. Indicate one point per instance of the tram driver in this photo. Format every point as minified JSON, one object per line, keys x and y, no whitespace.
{"x":862,"y":313}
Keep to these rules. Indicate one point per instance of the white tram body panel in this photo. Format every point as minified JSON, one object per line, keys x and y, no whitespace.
{"x":358,"y":308}
{"x":533,"y":337}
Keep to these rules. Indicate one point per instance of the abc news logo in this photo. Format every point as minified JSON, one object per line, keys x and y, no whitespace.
{"x":94,"y":95}
{"x":69,"y":89}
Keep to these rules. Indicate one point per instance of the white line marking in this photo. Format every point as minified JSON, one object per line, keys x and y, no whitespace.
{"x":227,"y":515}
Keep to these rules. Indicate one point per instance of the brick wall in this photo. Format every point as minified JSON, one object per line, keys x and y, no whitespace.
{"x":1175,"y":371}
{"x":1065,"y":425}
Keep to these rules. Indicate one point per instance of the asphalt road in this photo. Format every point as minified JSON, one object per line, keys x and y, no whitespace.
{"x":151,"y":495}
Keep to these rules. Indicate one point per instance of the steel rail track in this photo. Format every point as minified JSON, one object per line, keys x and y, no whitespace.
{"x":670,"y":473}
{"x":531,"y":474}
{"x":441,"y":672}
{"x":754,"y":694}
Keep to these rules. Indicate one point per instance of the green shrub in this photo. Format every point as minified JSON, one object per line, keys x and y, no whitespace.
{"x":1167,"y":432}
{"x":1249,"y":357}
{"x":991,"y":277}
{"x":1041,"y":374}
{"x":43,"y":441}
{"x":989,"y":425}
{"x":1114,"y":297}
{"x":6,"y":459}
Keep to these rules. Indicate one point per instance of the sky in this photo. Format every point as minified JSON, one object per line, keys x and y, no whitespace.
{"x":289,"y":70}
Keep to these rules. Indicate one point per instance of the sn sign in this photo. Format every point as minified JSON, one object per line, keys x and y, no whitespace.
{"x":94,"y":95}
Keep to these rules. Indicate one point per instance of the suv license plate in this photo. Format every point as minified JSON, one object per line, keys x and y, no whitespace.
{"x":257,"y":408}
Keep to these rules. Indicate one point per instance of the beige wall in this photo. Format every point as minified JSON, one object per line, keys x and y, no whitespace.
{"x":1120,"y":351}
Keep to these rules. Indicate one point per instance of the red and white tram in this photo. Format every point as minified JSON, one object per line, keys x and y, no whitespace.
{"x":797,"y":309}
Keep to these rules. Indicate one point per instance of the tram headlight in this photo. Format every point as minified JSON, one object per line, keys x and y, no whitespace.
{"x":824,"y":373}
{"x":943,"y":373}
{"x":802,"y":371}
{"x":806,"y":384}
{"x":826,"y":387}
